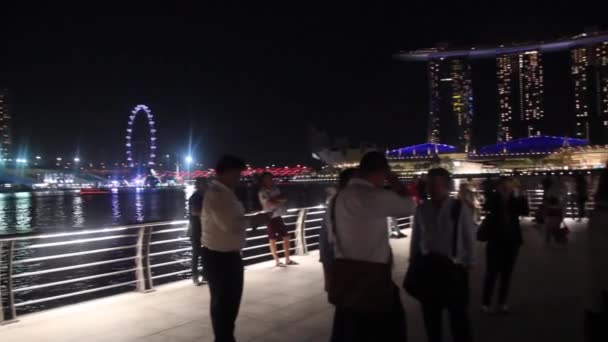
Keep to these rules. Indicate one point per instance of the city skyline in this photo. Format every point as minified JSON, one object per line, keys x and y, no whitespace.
{"x":520,"y":89}
{"x":241,"y":83}
{"x":5,"y":125}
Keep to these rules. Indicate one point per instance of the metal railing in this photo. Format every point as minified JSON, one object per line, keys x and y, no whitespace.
{"x":42,"y":271}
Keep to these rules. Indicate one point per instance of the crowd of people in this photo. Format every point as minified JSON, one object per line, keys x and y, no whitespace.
{"x":357,"y":258}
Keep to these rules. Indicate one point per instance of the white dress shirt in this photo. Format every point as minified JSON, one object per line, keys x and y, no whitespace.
{"x":223,"y":219}
{"x":361,"y":210}
{"x":434,"y":228}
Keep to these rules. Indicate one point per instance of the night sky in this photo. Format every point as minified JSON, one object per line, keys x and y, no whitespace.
{"x":249,"y":80}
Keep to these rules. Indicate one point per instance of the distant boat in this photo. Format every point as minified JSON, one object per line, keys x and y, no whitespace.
{"x":94,"y":191}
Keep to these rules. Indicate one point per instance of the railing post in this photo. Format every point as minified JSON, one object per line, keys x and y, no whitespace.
{"x":301,"y":248}
{"x":8,"y":313}
{"x":143,"y":271}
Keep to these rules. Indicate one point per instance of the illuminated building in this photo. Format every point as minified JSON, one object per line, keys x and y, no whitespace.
{"x":520,"y":95}
{"x":590,"y":79}
{"x":5,"y":127}
{"x":451,"y":102}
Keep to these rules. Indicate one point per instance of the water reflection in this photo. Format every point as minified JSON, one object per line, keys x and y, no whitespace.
{"x":78,"y":212}
{"x":116,"y":214}
{"x":4,"y":214}
{"x":53,"y":211}
{"x":22,"y":211}
{"x":139,"y":207}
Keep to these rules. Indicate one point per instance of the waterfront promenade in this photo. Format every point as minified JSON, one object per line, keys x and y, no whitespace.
{"x":290,"y":305}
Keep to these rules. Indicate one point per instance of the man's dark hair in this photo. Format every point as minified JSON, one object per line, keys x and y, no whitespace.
{"x":372,"y":162}
{"x":228,"y":163}
{"x":345,"y":176}
{"x":440,"y":172}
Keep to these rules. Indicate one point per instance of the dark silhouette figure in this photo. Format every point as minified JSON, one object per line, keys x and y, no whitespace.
{"x":504,"y":237}
{"x":195,"y":206}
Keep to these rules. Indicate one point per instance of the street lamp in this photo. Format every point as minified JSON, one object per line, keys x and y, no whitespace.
{"x":188,"y":162}
{"x":76,"y":160}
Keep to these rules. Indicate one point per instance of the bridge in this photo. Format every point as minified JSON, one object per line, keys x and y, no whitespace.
{"x":44,"y":274}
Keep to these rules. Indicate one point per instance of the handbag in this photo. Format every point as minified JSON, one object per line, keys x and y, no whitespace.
{"x":436,"y":278}
{"x":359,"y":285}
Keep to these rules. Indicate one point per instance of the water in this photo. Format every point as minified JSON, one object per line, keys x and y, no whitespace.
{"x":51,"y":212}
{"x":47,"y":212}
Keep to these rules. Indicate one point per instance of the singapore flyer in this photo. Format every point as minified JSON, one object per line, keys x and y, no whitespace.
{"x":137,"y":157}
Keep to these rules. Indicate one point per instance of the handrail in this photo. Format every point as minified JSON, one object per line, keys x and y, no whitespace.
{"x":29,"y":236}
{"x":44,"y":268}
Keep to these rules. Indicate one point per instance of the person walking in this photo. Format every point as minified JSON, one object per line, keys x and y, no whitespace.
{"x":504,"y":238}
{"x":273,"y":202}
{"x":224,"y":224}
{"x":441,"y":255}
{"x":368,"y":305}
{"x":596,"y":292}
{"x":195,"y":206}
{"x":581,"y":189}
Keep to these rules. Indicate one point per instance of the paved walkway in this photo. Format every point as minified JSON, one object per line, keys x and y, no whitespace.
{"x":290,"y":305}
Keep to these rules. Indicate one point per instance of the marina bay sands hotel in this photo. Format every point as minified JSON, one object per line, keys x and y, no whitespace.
{"x":520,"y":89}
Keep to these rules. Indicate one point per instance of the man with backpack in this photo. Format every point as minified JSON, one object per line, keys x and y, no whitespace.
{"x":441,"y":255}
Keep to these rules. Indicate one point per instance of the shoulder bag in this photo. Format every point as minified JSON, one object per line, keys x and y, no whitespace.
{"x":359,"y":285}
{"x":436,"y":278}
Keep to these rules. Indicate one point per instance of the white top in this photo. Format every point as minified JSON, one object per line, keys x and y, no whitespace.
{"x":223,"y":219}
{"x":434,"y":228}
{"x":361,"y":212}
{"x":265,"y":195}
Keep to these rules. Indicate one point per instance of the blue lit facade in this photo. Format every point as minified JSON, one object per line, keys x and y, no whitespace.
{"x":421,"y":151}
{"x":539,"y":144}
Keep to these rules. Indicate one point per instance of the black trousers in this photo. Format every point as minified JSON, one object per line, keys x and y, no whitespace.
{"x":356,"y":326}
{"x":225,"y":277}
{"x":197,"y":257}
{"x":458,"y":311}
{"x":500,"y":262}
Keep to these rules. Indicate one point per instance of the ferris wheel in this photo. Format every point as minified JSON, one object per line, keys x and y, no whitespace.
{"x":152,"y":134}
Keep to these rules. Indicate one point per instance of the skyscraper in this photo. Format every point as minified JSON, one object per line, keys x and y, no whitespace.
{"x":451,"y":102}
{"x":5,"y":127}
{"x":520,"y":95}
{"x":590,"y":79}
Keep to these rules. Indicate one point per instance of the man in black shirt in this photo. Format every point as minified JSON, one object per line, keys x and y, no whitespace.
{"x":195,"y":205}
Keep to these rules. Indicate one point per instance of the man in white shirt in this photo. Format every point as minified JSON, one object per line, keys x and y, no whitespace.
{"x":443,"y":234}
{"x":361,"y":211}
{"x":224,"y":226}
{"x":273,"y":202}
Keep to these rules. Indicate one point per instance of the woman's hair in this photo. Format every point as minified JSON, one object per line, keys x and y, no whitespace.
{"x":602,"y":188}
